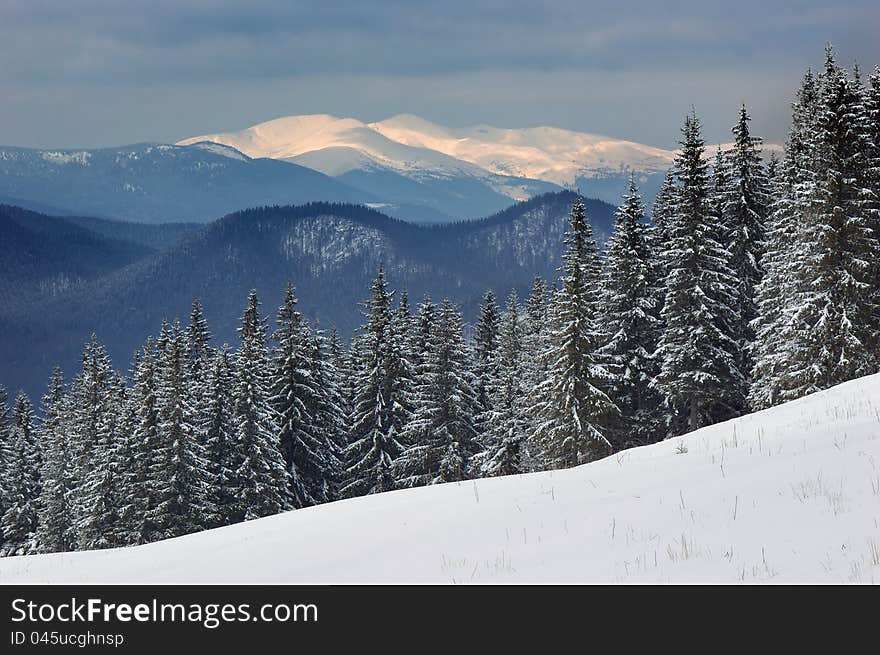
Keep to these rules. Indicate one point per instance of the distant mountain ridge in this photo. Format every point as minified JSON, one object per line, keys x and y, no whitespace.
{"x":509,"y":161}
{"x":156,"y":183}
{"x":330,"y":252}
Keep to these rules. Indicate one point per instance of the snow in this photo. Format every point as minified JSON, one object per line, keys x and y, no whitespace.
{"x":220,"y":149}
{"x":57,"y":157}
{"x":410,"y":144}
{"x":790,"y":494}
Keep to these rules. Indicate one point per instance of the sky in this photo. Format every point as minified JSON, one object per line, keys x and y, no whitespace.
{"x":92,"y":73}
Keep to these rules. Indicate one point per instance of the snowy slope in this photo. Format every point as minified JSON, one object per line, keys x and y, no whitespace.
{"x":791,"y":494}
{"x":414,"y":146}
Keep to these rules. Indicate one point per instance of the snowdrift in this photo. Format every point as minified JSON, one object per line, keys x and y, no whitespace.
{"x":791,"y":494}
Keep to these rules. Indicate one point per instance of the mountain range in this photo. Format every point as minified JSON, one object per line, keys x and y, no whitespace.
{"x":415,"y":153}
{"x":155,"y":183}
{"x":70,"y":277}
{"x":404,"y":166}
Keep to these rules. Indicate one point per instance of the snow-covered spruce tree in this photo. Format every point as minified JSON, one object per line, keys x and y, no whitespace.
{"x":774,"y":167}
{"x":296,"y":397}
{"x":728,"y":323}
{"x":375,"y":429}
{"x":340,"y":358}
{"x":218,"y":430}
{"x":260,"y":486}
{"x":55,"y":530}
{"x":746,"y":205}
{"x":661,"y":219}
{"x":441,"y":436}
{"x":872,"y":130}
{"x":506,"y":424}
{"x":574,"y":410}
{"x":535,"y":331}
{"x":104,"y":489}
{"x":776,"y":297}
{"x":178,"y":468}
{"x":485,"y":361}
{"x":835,"y":322}
{"x":20,"y":485}
{"x":329,"y":417}
{"x":144,"y":445}
{"x":5,"y":427}
{"x":400,"y":366}
{"x":698,"y":376}
{"x":420,"y":342}
{"x":93,"y":450}
{"x":630,"y":322}
{"x":198,"y":357}
{"x":198,"y":353}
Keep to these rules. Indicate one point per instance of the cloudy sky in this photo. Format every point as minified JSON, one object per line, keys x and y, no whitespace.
{"x":87,"y":73}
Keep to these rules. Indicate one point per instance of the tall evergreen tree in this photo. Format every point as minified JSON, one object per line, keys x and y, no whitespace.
{"x":441,"y":437}
{"x":144,"y":446}
{"x":55,"y":529}
{"x":328,"y":416}
{"x":5,"y":428}
{"x":485,"y":350}
{"x":219,"y":430}
{"x":835,"y":319}
{"x":698,"y":375}
{"x":261,"y":482}
{"x":745,"y":211}
{"x":630,"y":322}
{"x":573,"y":408}
{"x":97,"y":499}
{"x":296,"y":396}
{"x":374,"y":434}
{"x":506,"y":425}
{"x":178,"y":468}
{"x":659,"y":234}
{"x":20,"y":484}
{"x":776,"y":295}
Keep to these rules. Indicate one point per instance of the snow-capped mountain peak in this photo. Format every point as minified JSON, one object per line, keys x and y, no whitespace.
{"x":410,"y":144}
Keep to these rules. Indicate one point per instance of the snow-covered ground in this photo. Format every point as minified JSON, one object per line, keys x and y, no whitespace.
{"x":791,"y":494}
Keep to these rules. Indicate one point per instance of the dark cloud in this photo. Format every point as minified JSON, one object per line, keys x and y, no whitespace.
{"x":91,"y":72}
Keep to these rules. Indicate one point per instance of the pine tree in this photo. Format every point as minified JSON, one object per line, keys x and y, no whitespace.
{"x":535,"y":335}
{"x":20,"y":485}
{"x":144,"y":446}
{"x":261,"y":480}
{"x":218,"y":428}
{"x":198,"y":358}
{"x":485,"y":349}
{"x":744,"y":217}
{"x":198,"y":350}
{"x":400,"y":368}
{"x":506,"y":425}
{"x":340,"y":358}
{"x":441,"y":437}
{"x":5,"y":428}
{"x":871,"y":129}
{"x":97,"y":499}
{"x":180,"y":499}
{"x":835,"y":319}
{"x":55,"y":529}
{"x":296,"y":397}
{"x":698,"y":375}
{"x":722,"y":230}
{"x":661,"y":223}
{"x":330,"y":419}
{"x":776,"y":295}
{"x":629,"y":320}
{"x":374,"y":435}
{"x":573,"y":408}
